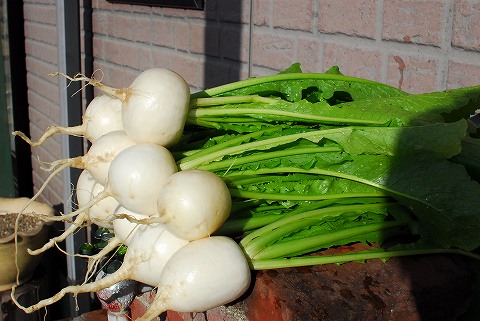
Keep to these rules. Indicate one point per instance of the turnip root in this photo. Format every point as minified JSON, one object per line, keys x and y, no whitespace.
{"x":125,"y":227}
{"x":135,"y":177}
{"x":98,"y":158}
{"x":149,"y":250}
{"x":102,"y":212}
{"x":155,"y":105}
{"x":102,"y":115}
{"x":201,"y":275}
{"x":194,"y":204}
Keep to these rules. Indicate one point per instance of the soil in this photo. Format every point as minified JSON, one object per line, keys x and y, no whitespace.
{"x":26,"y":224}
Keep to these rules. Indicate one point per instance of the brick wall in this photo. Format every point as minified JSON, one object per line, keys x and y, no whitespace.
{"x":416,"y":45}
{"x":43,"y":90}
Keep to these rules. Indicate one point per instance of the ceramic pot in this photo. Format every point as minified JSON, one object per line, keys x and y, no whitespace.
{"x":31,"y":237}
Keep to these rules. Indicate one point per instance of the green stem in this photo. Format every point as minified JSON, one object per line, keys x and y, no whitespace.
{"x":260,"y":238}
{"x":236,"y":226}
{"x":228,"y":163}
{"x":291,"y":116}
{"x":217,"y":101}
{"x":350,"y":257}
{"x":235,"y":192}
{"x":278,"y":77}
{"x":287,"y":248}
{"x":218,"y":148}
{"x":217,"y":152}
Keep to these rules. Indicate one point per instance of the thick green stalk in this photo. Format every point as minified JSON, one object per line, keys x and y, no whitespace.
{"x":260,"y":238}
{"x":294,"y":246}
{"x":351,"y":257}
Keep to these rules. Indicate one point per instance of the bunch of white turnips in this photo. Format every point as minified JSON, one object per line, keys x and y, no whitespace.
{"x":131,"y":185}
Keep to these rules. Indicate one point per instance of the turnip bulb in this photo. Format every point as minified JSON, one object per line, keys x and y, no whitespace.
{"x":98,"y":158}
{"x":194,"y":204}
{"x":138,"y":174}
{"x":201,"y":275}
{"x":102,"y":115}
{"x":102,"y":212}
{"x":135,"y":178}
{"x":155,"y":107}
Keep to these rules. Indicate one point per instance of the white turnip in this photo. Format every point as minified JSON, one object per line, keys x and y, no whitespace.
{"x":102,"y":212}
{"x":102,"y":115}
{"x":194,"y":204}
{"x":201,"y":275}
{"x":154,"y":106}
{"x":135,"y":178}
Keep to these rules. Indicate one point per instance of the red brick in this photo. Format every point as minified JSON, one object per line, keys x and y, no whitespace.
{"x":188,"y":67}
{"x":43,"y":51}
{"x":42,"y":87}
{"x":182,"y":36}
{"x":41,"y":32}
{"x":273,"y":51}
{"x":101,"y":22}
{"x":42,"y":69}
{"x":218,"y":72}
{"x":357,"y":62}
{"x":235,"y":43}
{"x":204,"y":38}
{"x":466,"y":26}
{"x":461,"y":74}
{"x":40,"y":13}
{"x":124,"y":53}
{"x":348,"y":17}
{"x":413,"y":21}
{"x":261,"y":12}
{"x":296,"y":15}
{"x":232,"y":11}
{"x":163,"y":32}
{"x":49,"y":108}
{"x":412,"y":74}
{"x":133,"y":27}
{"x":308,"y":54}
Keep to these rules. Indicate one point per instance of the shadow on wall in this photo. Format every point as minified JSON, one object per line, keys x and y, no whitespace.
{"x":223,"y":42}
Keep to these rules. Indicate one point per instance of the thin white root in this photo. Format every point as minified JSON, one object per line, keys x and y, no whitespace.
{"x":121,"y":274}
{"x":17,"y":221}
{"x":158,"y":306}
{"x":60,"y":164}
{"x":95,"y":259}
{"x":147,"y":220}
{"x":75,"y":131}
{"x":81,"y":218}
{"x":114,"y":92}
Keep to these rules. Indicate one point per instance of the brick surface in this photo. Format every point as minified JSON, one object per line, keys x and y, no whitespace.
{"x":309,"y":54}
{"x":296,"y":15}
{"x":413,"y":21}
{"x":272,"y":50}
{"x":261,"y":12}
{"x":182,"y":36}
{"x":135,"y":29}
{"x":353,"y":61}
{"x":412,"y":74}
{"x":162,"y":33}
{"x":235,"y":43}
{"x":41,"y":32}
{"x":407,"y":289}
{"x":461,"y":74}
{"x":40,"y":13}
{"x":356,"y":18}
{"x":466,"y":26}
{"x":204,"y":39}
